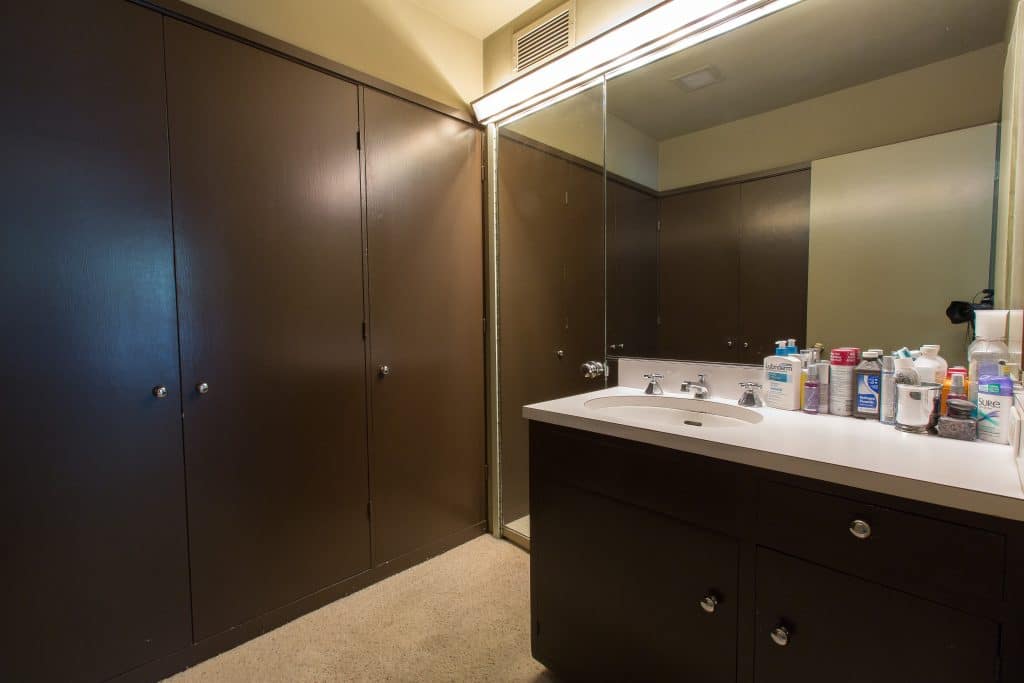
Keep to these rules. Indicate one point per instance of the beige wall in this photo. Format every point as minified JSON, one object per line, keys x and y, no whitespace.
{"x":1008,"y":273}
{"x":898,"y":232}
{"x":395,"y":40}
{"x":593,"y":17}
{"x":631,"y":153}
{"x":955,"y":93}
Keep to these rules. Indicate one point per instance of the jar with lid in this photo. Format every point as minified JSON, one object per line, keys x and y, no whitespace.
{"x":958,"y":422}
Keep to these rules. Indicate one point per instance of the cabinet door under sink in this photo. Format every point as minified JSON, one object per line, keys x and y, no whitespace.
{"x":621,"y":593}
{"x":815,"y":624}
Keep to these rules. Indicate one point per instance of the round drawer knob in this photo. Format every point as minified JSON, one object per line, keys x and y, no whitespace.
{"x":160,"y":391}
{"x":203,"y":388}
{"x":560,"y":353}
{"x":709,"y":603}
{"x":383,"y":371}
{"x":780,"y":636}
{"x":860,"y":529}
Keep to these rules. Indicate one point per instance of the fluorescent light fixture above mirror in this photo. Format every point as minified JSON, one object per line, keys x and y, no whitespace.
{"x":667,"y":28}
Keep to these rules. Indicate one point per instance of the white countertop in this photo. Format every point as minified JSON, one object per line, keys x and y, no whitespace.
{"x":978,"y":477}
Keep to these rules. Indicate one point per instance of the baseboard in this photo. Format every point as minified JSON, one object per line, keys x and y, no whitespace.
{"x":233,"y":637}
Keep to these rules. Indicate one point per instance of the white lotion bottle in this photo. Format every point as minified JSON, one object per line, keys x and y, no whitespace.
{"x":782,"y":382}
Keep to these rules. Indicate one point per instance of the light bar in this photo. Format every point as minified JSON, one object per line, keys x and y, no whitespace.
{"x":668,"y":28}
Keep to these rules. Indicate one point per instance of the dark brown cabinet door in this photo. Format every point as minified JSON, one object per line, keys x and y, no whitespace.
{"x":631,"y":611}
{"x":267,"y":220}
{"x":425,"y":245}
{"x":847,"y":630}
{"x":582,"y":249}
{"x":95,"y":573}
{"x":699,"y":274}
{"x":773,"y":263}
{"x":531,"y":203}
{"x":632,"y":272}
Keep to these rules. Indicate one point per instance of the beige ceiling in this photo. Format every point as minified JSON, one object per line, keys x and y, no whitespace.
{"x":808,"y":50}
{"x":479,"y":18}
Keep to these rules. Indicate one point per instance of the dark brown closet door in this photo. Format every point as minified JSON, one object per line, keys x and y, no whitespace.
{"x":582,"y":232}
{"x":92,"y":497}
{"x":773,"y":263}
{"x":267,"y":218}
{"x":425,"y":232}
{"x":632,"y":271}
{"x":699,"y":253}
{"x":531,"y":206}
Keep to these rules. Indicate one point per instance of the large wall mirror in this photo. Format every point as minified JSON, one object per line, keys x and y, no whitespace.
{"x":551,"y":314}
{"x":828,"y":173}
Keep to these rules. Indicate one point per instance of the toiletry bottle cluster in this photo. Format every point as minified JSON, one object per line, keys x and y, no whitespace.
{"x":915,"y":391}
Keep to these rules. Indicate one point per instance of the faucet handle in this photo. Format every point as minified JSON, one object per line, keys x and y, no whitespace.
{"x":750,"y":398}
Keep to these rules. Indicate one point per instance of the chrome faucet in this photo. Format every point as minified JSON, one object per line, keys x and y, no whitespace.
{"x":699,"y":388}
{"x":653,"y":385}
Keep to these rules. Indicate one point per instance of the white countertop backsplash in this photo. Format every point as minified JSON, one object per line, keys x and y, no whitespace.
{"x":723,"y":378}
{"x":978,"y":477}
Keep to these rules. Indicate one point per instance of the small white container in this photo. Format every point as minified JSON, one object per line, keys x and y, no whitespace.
{"x":930,"y":366}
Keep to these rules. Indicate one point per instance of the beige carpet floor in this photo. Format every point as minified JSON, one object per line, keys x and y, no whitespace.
{"x":461,"y":616}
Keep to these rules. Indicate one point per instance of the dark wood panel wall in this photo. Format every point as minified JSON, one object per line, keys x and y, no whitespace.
{"x":734,"y":269}
{"x":95,"y":573}
{"x":551,"y":293}
{"x":691,"y":274}
{"x":426,"y":324}
{"x":268,"y":236}
{"x":207,"y":249}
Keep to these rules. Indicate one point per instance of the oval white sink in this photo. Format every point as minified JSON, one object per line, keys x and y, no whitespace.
{"x":674,"y":411}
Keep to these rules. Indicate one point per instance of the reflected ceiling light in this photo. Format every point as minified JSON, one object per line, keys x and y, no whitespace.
{"x":668,"y":28}
{"x":701,"y":78}
{"x":553,"y":100}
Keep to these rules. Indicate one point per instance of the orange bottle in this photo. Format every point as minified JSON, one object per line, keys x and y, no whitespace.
{"x":947,"y":385}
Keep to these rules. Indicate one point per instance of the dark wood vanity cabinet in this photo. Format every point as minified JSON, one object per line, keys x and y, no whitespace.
{"x":623,"y":564}
{"x":630,"y":614}
{"x":823,"y":624}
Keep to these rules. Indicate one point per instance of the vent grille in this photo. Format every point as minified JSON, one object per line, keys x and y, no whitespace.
{"x":545,"y":38}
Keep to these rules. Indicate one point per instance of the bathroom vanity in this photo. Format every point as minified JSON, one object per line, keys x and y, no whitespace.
{"x":788,"y":548}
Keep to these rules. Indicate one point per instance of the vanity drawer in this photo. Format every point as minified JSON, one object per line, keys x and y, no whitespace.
{"x":684,"y":486}
{"x":900,"y":549}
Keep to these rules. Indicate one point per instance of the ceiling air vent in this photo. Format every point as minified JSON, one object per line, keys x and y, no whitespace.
{"x":549,"y":36}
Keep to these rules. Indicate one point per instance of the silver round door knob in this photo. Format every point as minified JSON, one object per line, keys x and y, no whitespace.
{"x":203,"y":388}
{"x":560,"y":353}
{"x":384,"y":371}
{"x":780,"y":636}
{"x":709,"y":604}
{"x":160,"y":391}
{"x":860,"y":529}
